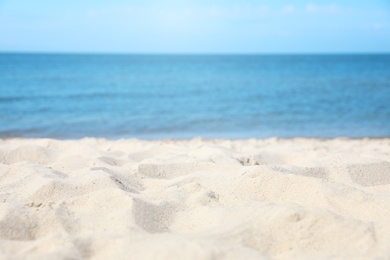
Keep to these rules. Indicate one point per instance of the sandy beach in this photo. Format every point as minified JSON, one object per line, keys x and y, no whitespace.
{"x":195,"y":199}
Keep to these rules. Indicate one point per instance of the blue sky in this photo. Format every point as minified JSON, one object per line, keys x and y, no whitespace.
{"x":220,"y":26}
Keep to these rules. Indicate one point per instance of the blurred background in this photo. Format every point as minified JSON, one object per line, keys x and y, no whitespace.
{"x":180,"y":69}
{"x":220,"y":26}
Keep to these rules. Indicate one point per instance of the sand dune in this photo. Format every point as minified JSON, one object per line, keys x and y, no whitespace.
{"x":195,"y":199}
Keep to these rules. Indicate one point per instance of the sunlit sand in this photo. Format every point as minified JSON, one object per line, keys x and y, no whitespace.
{"x":195,"y":199}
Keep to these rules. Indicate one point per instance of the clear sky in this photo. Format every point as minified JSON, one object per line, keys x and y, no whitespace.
{"x":195,"y":26}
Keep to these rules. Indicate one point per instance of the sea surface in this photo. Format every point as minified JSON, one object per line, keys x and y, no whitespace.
{"x":183,"y":96}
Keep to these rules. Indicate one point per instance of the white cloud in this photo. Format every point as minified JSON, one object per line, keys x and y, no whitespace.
{"x":377,"y":26}
{"x":263,"y":9}
{"x":288,"y":9}
{"x":246,"y":11}
{"x":91,"y":13}
{"x":311,"y":8}
{"x":183,"y":12}
{"x":328,"y":9}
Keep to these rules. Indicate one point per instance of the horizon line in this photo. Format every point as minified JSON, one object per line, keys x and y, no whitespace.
{"x":189,"y":53}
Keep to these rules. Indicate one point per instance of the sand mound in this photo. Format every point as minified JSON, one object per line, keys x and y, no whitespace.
{"x":194,"y":199}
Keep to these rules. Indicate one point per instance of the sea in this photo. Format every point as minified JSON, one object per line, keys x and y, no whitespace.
{"x":70,"y":96}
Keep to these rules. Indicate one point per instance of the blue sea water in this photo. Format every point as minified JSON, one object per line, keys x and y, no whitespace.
{"x":183,"y":96}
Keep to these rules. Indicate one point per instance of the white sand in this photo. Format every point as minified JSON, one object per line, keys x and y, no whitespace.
{"x":195,"y":199}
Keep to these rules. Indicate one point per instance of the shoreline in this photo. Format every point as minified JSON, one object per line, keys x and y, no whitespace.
{"x":299,"y":198}
{"x":199,"y":138}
